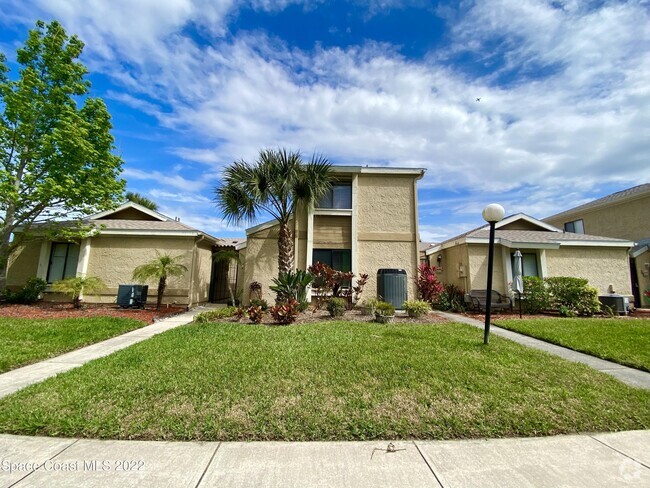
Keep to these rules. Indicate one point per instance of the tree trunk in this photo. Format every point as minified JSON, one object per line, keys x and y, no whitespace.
{"x":285,"y":249}
{"x":5,"y":245}
{"x":162,"y":283}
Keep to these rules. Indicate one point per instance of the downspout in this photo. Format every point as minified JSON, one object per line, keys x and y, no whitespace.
{"x":194,"y":251}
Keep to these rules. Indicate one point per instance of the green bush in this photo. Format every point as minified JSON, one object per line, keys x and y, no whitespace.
{"x":385,"y":309}
{"x":369,"y":304}
{"x":416,"y":308}
{"x":535,"y":295}
{"x":336,"y":307}
{"x":292,"y":285}
{"x":573,"y":294}
{"x":260,"y":302}
{"x":215,"y":315}
{"x":451,"y":298}
{"x":28,"y":294}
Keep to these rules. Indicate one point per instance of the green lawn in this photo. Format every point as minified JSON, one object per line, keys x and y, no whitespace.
{"x":26,"y":341}
{"x":324,"y":381}
{"x":624,"y":341}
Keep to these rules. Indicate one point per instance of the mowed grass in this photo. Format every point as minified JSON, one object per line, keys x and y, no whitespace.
{"x":26,"y":341}
{"x":325,"y":381}
{"x":624,"y":341}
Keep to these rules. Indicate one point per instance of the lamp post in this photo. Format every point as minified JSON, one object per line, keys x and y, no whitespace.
{"x":492,"y":214}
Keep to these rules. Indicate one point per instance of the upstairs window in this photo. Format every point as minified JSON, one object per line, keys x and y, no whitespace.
{"x":63,"y":261}
{"x":577,"y":227}
{"x":339,"y":196}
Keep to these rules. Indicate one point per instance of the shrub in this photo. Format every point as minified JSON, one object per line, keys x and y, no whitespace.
{"x":292,"y":285}
{"x":336,"y":307}
{"x":285,"y":313}
{"x":239,"y":313}
{"x":429,"y":288}
{"x":255,"y":314}
{"x":416,"y":308}
{"x":30,"y":293}
{"x":574,"y":294}
{"x":535,"y":295}
{"x":370,"y":304}
{"x":215,"y":315}
{"x":260,"y":302}
{"x":329,"y":282}
{"x":385,"y":309}
{"x":451,"y":298}
{"x":75,"y":287}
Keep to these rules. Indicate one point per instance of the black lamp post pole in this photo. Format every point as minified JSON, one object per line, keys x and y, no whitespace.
{"x":488,"y":301}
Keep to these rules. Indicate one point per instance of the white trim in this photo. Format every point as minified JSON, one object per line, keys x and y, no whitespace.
{"x":44,"y":259}
{"x":137,"y":206}
{"x":262,"y":226}
{"x":310,"y":236}
{"x":542,"y":263}
{"x":344,"y":212}
{"x":527,"y":218}
{"x":416,"y":262}
{"x":527,"y":245}
{"x":241,"y":245}
{"x":84,"y":257}
{"x":167,"y":233}
{"x":355,"y":224}
{"x":598,"y":243}
{"x":640,"y":251}
{"x":379,"y":170}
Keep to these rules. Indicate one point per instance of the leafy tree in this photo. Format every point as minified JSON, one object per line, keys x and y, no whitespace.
{"x":160,"y":269}
{"x":76,"y":287}
{"x":277,"y":182}
{"x":227,"y":256}
{"x":55,"y":157}
{"x":142,"y":200}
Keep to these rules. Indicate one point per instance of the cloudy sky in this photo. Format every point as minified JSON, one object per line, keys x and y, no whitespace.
{"x":192,"y":85}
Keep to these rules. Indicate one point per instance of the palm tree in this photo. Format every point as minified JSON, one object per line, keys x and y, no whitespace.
{"x":227,"y":256}
{"x":75,"y":287}
{"x":276,"y":183}
{"x":142,"y":200}
{"x":160,"y":269}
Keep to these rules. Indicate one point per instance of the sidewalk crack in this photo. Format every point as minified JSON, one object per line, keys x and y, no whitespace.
{"x":428,"y":465}
{"x":620,"y":452}
{"x":208,"y":465}
{"x":55,"y":455}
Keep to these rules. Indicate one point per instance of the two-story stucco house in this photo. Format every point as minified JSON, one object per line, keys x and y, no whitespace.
{"x":625,"y":215}
{"x":368,"y":221}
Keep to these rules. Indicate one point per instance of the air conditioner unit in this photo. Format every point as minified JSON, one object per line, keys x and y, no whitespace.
{"x":132,"y":296}
{"x":617,"y":303}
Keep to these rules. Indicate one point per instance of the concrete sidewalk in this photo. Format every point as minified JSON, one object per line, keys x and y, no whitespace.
{"x":17,"y":379}
{"x":598,"y":460}
{"x":631,"y":376}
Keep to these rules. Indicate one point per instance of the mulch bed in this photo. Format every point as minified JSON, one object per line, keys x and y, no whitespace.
{"x":350,"y":315}
{"x":66,"y":311}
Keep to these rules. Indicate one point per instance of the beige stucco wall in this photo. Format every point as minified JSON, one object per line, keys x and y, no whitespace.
{"x":478,"y":264}
{"x":385,"y":204}
{"x":625,"y":220}
{"x":374,"y":255}
{"x":202,"y":272}
{"x":453,"y":259}
{"x":261,"y":262}
{"x":113,"y":259}
{"x":602,"y":267}
{"x":643,"y":272}
{"x":23,"y":264}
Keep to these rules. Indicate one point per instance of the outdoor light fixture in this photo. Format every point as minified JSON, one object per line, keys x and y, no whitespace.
{"x":492,"y":214}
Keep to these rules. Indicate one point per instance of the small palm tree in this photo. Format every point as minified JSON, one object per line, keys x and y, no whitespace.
{"x":276,"y":183}
{"x":142,"y":200}
{"x":160,"y":269}
{"x":76,"y":287}
{"x":227,"y":256}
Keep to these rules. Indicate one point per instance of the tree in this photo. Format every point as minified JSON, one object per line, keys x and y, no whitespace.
{"x":76,"y":287}
{"x":227,"y":256}
{"x":56,"y":158}
{"x":275,"y":183}
{"x":141,"y":200}
{"x":160,"y":269}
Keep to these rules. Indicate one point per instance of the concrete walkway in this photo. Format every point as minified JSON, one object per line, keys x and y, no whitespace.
{"x":600,"y":460}
{"x":631,"y":376}
{"x":17,"y":379}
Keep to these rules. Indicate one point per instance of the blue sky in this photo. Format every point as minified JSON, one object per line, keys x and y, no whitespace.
{"x":192,"y":85}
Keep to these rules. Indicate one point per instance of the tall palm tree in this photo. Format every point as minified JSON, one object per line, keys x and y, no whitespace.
{"x":276,"y":183}
{"x":160,"y":269}
{"x":142,"y":200}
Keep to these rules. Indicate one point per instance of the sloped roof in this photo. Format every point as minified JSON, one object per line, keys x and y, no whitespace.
{"x":619,"y":196}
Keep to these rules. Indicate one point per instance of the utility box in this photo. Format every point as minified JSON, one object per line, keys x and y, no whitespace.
{"x":618,"y":303}
{"x":392,"y":286}
{"x":132,"y":296}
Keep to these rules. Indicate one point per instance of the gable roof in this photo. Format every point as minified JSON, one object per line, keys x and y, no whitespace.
{"x":548,"y":237}
{"x":618,"y":197}
{"x":131,"y":205}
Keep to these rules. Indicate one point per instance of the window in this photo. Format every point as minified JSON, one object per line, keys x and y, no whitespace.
{"x":340,"y":196}
{"x":63,"y":261}
{"x":577,"y":226}
{"x":528,"y":262}
{"x":338,"y":259}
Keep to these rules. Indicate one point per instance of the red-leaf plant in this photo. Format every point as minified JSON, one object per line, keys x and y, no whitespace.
{"x":429,"y":288}
{"x":331,"y":283}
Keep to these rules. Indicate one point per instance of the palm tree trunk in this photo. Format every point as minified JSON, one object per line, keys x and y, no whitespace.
{"x":285,"y":249}
{"x":162,"y":283}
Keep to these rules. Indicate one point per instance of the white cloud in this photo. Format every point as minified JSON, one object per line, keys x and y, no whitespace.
{"x":173,"y":180}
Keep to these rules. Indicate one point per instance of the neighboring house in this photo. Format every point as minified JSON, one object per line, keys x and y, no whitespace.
{"x":125,"y":238}
{"x":423,"y":250}
{"x":368,"y":221}
{"x":547,"y":251}
{"x":625,"y":215}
